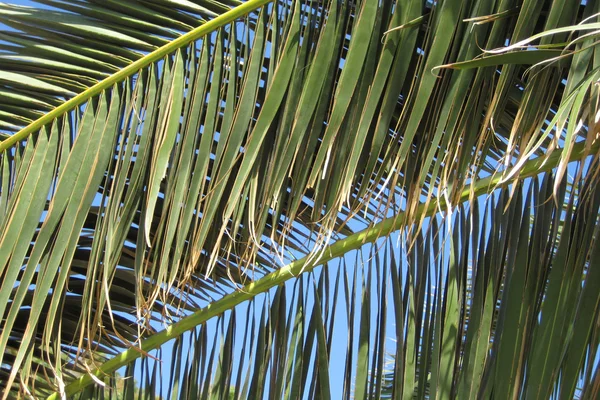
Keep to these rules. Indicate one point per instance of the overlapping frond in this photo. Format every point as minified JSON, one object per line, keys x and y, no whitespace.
{"x":224,"y":158}
{"x":57,"y":49}
{"x":498,"y":300}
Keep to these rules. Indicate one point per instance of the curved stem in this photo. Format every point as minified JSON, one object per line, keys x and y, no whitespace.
{"x":133,"y":68}
{"x":306,"y":264}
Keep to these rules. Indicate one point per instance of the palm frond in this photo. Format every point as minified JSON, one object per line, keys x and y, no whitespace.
{"x":162,"y":167}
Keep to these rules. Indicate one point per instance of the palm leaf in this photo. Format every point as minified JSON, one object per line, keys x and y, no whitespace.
{"x":164,"y":168}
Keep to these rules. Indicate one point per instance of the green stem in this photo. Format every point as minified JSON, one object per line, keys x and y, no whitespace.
{"x":306,"y":264}
{"x":133,"y":68}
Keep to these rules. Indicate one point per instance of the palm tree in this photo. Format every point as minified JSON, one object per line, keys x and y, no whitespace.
{"x":215,"y":197}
